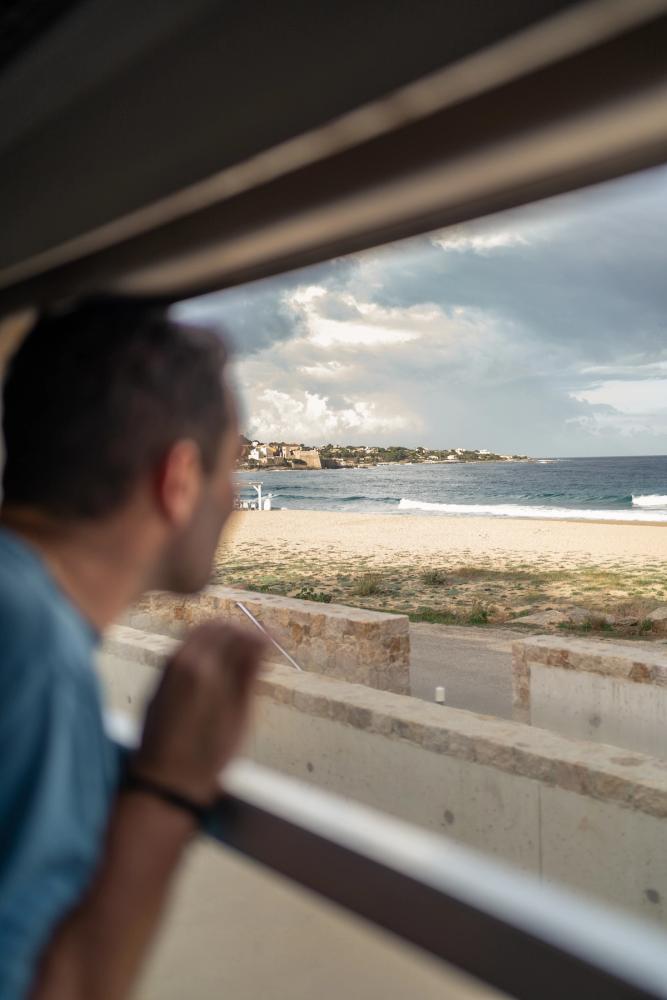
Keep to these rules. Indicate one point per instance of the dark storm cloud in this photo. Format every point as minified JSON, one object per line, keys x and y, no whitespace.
{"x":257,"y":315}
{"x":587,"y":278}
{"x":586,"y":273}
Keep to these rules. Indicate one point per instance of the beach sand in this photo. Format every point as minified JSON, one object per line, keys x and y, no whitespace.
{"x":458,"y":568}
{"x":388,"y":535}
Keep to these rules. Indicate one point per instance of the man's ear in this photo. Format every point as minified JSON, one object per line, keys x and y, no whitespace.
{"x":179,"y":481}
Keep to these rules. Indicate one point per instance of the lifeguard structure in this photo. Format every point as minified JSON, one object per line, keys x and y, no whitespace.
{"x":257,"y":502}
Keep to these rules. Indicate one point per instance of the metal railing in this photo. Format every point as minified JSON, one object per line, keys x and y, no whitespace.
{"x":505,"y":928}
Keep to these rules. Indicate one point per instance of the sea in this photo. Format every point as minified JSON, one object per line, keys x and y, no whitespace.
{"x":630,"y":489}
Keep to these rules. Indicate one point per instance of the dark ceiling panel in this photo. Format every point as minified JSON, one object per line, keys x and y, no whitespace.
{"x":223,"y":83}
{"x":22,"y":22}
{"x":212,"y":95}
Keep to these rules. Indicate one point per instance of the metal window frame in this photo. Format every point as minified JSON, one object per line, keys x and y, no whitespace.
{"x":579,"y":99}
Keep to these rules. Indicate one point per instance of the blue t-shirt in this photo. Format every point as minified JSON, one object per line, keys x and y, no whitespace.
{"x":58,"y":770}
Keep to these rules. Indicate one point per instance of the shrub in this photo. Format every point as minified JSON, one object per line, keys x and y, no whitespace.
{"x":308,"y":593}
{"x":368,"y":584}
{"x":479,"y":614}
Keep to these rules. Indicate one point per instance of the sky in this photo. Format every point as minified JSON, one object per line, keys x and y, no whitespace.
{"x":539,"y":331}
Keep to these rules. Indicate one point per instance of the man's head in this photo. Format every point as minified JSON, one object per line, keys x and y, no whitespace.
{"x":113,"y":406}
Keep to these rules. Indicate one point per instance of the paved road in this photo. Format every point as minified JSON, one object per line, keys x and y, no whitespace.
{"x":473,"y":664}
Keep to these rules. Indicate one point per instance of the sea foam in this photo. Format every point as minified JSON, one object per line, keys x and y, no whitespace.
{"x":539,"y":513}
{"x":650,"y":500}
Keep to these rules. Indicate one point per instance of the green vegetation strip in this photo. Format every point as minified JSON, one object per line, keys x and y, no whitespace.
{"x":462,"y":593}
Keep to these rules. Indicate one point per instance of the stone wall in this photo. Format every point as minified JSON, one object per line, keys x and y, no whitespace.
{"x":605,"y":692}
{"x":364,"y":647}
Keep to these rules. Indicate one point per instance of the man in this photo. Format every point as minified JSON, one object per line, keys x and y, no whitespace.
{"x":120,"y":440}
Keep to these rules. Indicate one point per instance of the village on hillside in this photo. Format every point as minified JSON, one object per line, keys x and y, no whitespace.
{"x":279,"y":455}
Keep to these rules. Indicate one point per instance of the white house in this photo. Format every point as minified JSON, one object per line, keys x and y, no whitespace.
{"x":261,"y":452}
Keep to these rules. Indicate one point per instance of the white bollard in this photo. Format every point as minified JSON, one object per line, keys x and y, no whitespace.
{"x":440,"y":695}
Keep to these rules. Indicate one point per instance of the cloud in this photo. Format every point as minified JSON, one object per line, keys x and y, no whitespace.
{"x":630,"y":396}
{"x":623,"y":426}
{"x":325,"y":370}
{"x":279,"y":416}
{"x":541,"y":330}
{"x":256,"y":316}
{"x":462,"y":239}
{"x":330,"y":333}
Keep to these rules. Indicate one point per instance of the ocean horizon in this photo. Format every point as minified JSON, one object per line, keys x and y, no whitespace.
{"x":632,"y":489}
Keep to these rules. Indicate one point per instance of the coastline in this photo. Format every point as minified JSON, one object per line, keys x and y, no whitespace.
{"x":375,"y":465}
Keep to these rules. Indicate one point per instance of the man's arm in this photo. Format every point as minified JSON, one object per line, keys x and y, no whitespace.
{"x":193,"y":727}
{"x":97,"y":951}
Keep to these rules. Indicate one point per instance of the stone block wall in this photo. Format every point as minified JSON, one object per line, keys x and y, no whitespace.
{"x":364,"y":647}
{"x":604,"y":692}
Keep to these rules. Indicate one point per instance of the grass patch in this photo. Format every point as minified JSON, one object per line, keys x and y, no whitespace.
{"x":434,"y":617}
{"x":463,"y":591}
{"x":477,"y":614}
{"x":368,"y":584}
{"x":472,"y":573}
{"x":625,"y":620}
{"x":268,"y":585}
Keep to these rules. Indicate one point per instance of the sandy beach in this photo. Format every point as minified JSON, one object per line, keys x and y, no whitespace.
{"x":387,"y":536}
{"x":460,"y":568}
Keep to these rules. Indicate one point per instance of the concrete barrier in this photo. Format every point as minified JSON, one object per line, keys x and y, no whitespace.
{"x":588,"y":815}
{"x":235,"y":929}
{"x":365,"y":647}
{"x":603,"y":692}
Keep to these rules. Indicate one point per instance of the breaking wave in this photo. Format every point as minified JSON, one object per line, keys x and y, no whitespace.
{"x":650,"y":500}
{"x":539,"y":513}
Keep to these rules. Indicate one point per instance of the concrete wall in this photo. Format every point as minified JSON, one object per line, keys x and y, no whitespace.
{"x":365,"y":647}
{"x":591,"y":816}
{"x":603,"y":692}
{"x":236,"y":930}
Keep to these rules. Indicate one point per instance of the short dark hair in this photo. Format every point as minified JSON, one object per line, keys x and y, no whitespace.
{"x":97,"y":394}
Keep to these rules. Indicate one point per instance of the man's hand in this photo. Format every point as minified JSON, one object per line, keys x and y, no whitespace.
{"x":197,"y":718}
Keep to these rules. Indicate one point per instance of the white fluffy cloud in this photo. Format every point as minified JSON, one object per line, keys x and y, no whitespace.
{"x":280,"y":416}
